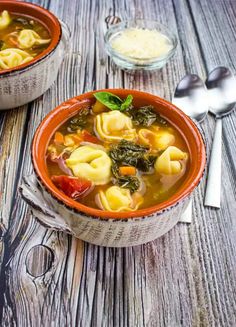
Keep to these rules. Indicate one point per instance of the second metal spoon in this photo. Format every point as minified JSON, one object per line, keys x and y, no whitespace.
{"x":221,"y":85}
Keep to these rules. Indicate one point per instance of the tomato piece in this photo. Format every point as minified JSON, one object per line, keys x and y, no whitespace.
{"x":88,"y":137}
{"x":74,"y":187}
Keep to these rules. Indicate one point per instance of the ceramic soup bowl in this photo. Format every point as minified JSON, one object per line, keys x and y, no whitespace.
{"x":26,"y":82}
{"x":114,"y":229}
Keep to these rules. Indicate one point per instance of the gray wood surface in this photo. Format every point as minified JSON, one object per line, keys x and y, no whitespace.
{"x":185,"y":278}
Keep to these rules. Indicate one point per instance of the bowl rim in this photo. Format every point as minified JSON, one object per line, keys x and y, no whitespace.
{"x":145,"y":61}
{"x":92,"y":212}
{"x":54,"y":42}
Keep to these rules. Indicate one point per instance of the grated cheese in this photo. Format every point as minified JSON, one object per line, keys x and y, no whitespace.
{"x":141,"y":43}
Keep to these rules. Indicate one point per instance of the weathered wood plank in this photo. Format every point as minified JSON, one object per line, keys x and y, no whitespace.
{"x":187,"y":277}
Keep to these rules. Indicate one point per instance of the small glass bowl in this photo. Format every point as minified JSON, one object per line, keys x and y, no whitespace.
{"x":133,"y":63}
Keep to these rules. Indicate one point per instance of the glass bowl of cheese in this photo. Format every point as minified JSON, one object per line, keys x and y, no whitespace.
{"x":140,"y":44}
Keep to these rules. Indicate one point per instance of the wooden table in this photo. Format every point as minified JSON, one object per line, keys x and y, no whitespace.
{"x":185,"y":278}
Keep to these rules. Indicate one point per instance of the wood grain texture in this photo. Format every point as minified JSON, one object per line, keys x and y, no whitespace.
{"x":185,"y":278}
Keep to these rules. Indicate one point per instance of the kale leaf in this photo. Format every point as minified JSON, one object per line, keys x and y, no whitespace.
{"x":131,"y":154}
{"x":130,"y":182}
{"x":127,"y":153}
{"x":145,"y":116}
{"x":146,"y":163}
{"x":79,"y":121}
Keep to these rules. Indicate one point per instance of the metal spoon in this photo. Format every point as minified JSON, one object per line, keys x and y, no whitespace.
{"x":191,"y":97}
{"x":221,"y":85}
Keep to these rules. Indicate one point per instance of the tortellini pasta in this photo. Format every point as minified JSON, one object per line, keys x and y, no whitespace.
{"x":118,"y":199}
{"x":5,"y":19}
{"x":115,"y":126}
{"x":28,"y":38}
{"x":157,"y":139}
{"x":91,"y":163}
{"x":12,"y":57}
{"x":169,"y":162}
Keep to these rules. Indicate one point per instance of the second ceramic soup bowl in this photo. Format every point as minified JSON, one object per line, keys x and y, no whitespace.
{"x":26,"y":82}
{"x":116,"y":229}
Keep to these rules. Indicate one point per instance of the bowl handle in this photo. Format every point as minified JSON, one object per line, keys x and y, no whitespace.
{"x":32,"y":193}
{"x":65,"y":39}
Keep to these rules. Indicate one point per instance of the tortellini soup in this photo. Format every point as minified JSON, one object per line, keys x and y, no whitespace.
{"x":21,"y":39}
{"x":117,"y":157}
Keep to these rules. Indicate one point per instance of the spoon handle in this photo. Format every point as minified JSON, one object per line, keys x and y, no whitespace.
{"x":212,"y":195}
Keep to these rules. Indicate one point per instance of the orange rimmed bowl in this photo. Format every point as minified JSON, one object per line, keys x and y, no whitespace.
{"x":24,"y":83}
{"x":105,"y":228}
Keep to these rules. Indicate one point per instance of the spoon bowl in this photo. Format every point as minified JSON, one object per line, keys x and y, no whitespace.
{"x":221,"y":85}
{"x":191,"y":97}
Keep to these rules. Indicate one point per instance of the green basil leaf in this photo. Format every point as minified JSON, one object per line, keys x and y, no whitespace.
{"x":127,"y":102}
{"x":109,"y":100}
{"x":112,"y":101}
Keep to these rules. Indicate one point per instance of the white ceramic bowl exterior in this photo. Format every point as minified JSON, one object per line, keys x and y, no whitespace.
{"x":23,"y":86}
{"x":103,"y":232}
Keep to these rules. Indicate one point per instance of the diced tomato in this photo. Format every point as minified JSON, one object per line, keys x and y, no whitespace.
{"x":74,"y":187}
{"x":88,"y":137}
